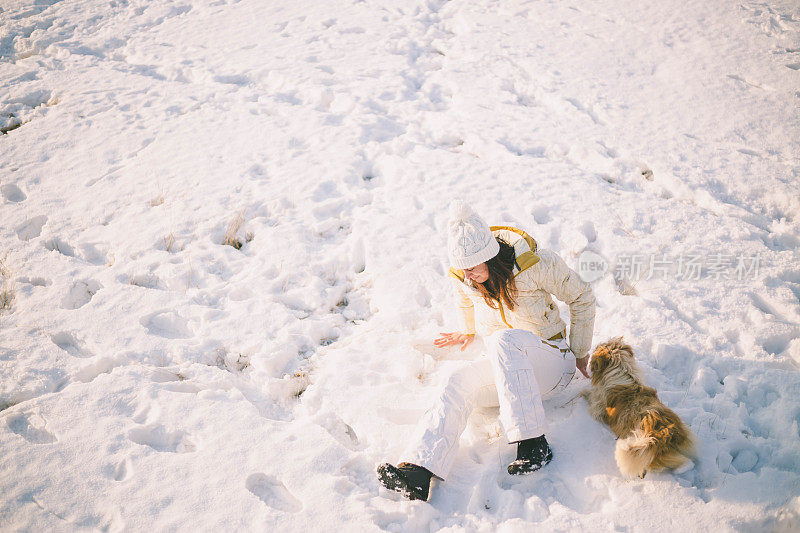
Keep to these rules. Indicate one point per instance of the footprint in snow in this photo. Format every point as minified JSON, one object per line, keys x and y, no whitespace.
{"x":342,"y":432}
{"x":147,"y":413}
{"x":541,"y":214}
{"x":102,"y":366}
{"x":325,"y":191}
{"x":765,"y":307}
{"x":12,"y":193}
{"x":31,"y":427}
{"x":97,"y":253}
{"x":588,"y":110}
{"x":744,"y":460}
{"x":168,"y":324}
{"x":233,"y":79}
{"x":121,"y":471}
{"x":257,"y":172}
{"x":35,"y":281}
{"x":147,"y":281}
{"x":70,"y":344}
{"x":273,"y":492}
{"x":588,"y":231}
{"x":160,"y":439}
{"x":779,"y":343}
{"x":58,"y":245}
{"x":520,"y":150}
{"x":31,"y":228}
{"x":80,"y":294}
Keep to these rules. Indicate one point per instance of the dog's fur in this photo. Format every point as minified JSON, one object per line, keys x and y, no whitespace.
{"x":650,"y":436}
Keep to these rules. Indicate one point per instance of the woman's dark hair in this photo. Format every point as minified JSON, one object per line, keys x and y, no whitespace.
{"x":500,"y":287}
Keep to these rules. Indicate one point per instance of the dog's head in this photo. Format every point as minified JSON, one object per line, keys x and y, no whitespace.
{"x":613,"y":355}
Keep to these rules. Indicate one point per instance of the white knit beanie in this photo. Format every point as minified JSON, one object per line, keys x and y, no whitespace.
{"x":469,"y":240}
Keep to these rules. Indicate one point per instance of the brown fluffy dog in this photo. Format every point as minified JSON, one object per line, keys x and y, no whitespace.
{"x":650,"y":436}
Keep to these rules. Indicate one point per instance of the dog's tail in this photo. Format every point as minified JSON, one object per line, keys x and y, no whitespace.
{"x":661,"y":442}
{"x":635,"y":453}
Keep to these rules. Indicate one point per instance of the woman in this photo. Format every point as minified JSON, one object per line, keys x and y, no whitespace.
{"x":505,"y":285}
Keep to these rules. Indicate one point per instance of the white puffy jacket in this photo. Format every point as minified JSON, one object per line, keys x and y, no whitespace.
{"x":538,"y":274}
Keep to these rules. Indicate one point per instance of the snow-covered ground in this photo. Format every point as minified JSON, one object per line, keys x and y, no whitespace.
{"x":153,"y":378}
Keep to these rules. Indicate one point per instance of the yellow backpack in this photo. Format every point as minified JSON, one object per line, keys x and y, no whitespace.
{"x":523,"y":260}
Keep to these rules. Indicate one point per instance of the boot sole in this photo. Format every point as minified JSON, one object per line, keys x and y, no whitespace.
{"x":520,"y":467}
{"x":393,"y":479}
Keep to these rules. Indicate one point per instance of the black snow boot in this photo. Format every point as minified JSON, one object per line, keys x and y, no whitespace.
{"x":412,"y":481}
{"x":532,"y":454}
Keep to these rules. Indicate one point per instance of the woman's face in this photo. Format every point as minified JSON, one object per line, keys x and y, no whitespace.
{"x":478,"y":273}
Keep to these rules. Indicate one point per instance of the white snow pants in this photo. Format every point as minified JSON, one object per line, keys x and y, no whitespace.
{"x":518,"y":370}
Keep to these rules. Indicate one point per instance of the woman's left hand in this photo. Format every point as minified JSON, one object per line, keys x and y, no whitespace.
{"x":580,"y":364}
{"x":448,"y":339}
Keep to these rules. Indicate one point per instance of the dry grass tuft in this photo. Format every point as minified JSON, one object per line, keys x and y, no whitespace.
{"x":230,"y":235}
{"x":158,"y":199}
{"x":6,"y":296}
{"x":191,"y":277}
{"x":7,"y":289}
{"x":242,"y":362}
{"x":301,"y":381}
{"x":169,"y":242}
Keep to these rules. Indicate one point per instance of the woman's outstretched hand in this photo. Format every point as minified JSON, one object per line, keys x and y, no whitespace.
{"x":448,"y":339}
{"x":580,"y":364}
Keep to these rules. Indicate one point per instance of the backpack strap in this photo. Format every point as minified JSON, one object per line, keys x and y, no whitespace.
{"x":528,"y":239}
{"x":525,"y":261}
